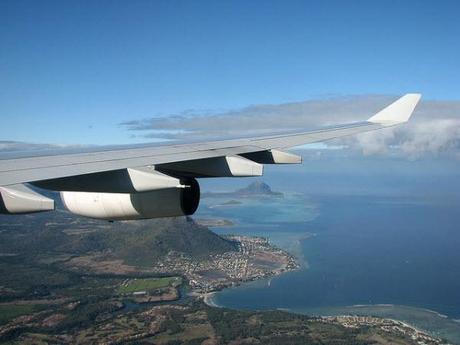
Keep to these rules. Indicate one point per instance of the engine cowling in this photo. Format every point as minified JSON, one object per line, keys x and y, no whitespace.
{"x":169,"y":202}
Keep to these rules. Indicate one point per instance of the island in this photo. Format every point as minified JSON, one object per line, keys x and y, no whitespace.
{"x":68,"y":279}
{"x":254,"y":189}
{"x":257,"y":188}
{"x":214,"y":222}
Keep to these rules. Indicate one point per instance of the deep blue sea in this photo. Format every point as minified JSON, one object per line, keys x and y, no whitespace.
{"x":371,"y":244}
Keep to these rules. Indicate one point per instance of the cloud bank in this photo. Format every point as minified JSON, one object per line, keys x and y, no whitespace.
{"x":7,"y":145}
{"x":17,"y":149}
{"x":433,"y":129}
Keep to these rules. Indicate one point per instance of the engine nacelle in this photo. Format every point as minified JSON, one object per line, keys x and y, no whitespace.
{"x":170,"y":202}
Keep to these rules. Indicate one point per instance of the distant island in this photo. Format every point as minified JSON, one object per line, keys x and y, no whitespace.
{"x":257,"y":188}
{"x":232,"y":202}
{"x":214,"y":222}
{"x":254,"y":189}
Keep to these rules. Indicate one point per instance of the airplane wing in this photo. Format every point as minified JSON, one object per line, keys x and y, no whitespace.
{"x":96,"y":171}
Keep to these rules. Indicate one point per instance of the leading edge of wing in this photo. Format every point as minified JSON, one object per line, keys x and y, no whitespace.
{"x":21,"y":170}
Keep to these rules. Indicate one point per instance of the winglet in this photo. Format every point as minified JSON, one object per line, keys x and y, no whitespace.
{"x":397,"y":112}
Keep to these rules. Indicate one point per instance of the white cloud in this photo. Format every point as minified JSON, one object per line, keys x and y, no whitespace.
{"x":434,"y":128}
{"x":7,"y":146}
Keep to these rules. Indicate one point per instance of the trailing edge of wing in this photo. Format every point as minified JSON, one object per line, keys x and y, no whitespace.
{"x":397,"y":112}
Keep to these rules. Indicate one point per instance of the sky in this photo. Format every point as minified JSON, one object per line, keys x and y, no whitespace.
{"x":81,"y":72}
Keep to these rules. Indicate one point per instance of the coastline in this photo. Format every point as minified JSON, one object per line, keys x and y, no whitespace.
{"x":292,"y":263}
{"x":418,"y":318}
{"x":208,"y":300}
{"x":206,"y":297}
{"x":353,"y":321}
{"x":361,"y":319}
{"x":441,"y":325}
{"x":386,"y":324}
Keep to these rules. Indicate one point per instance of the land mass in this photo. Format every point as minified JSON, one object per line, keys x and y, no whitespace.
{"x":67,"y":279}
{"x":214,"y":222}
{"x":255,"y":189}
{"x":196,"y":323}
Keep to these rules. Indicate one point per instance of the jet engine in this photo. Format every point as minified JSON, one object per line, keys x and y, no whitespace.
{"x":168,"y":202}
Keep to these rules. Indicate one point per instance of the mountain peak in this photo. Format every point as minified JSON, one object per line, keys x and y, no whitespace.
{"x":257,"y":188}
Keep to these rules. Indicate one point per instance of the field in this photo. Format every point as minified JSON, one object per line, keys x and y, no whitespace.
{"x":11,"y":311}
{"x":148,"y":284}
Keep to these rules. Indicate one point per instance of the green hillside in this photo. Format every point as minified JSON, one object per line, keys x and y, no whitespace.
{"x":135,"y":242}
{"x":143,"y":243}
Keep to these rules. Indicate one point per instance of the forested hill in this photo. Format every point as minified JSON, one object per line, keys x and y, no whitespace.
{"x":151,"y":240}
{"x":135,"y":242}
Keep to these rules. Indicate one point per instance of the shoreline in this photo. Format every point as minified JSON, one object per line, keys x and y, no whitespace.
{"x":294,"y":263}
{"x":208,"y":300}
{"x":400,"y":318}
{"x":440,"y":326}
{"x":350,"y":320}
{"x":206,"y":297}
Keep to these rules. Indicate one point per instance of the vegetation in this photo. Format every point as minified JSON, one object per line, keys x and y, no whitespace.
{"x":45,"y":300}
{"x":139,"y":243}
{"x":86,"y":313}
{"x":11,"y":311}
{"x":146,"y":244}
{"x":35,"y":251}
{"x":148,"y":284}
{"x":191,"y":323}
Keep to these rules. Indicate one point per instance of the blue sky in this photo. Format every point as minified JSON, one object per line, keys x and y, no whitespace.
{"x":71,"y":71}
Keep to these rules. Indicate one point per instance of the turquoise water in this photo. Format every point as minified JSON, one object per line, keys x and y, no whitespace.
{"x":283,"y":220}
{"x":266,"y":211}
{"x":358,"y":250}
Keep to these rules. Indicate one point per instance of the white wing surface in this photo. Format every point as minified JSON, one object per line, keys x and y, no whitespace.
{"x":118,"y":179}
{"x":21,"y":170}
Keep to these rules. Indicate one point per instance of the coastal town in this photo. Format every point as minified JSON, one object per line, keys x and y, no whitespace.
{"x":255,"y":259}
{"x":387,"y":325}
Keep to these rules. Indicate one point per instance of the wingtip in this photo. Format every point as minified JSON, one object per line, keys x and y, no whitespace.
{"x":397,"y":112}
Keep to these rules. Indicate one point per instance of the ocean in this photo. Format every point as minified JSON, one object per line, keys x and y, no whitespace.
{"x":371,"y":248}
